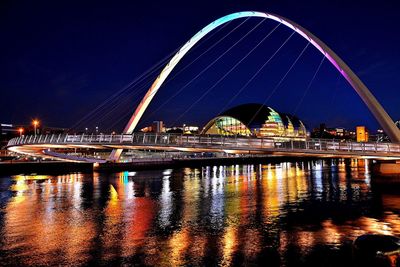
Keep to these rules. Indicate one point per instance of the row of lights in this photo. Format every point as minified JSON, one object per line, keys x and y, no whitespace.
{"x":35,"y":124}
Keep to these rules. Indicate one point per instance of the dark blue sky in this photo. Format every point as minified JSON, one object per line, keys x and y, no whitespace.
{"x":61,"y":59}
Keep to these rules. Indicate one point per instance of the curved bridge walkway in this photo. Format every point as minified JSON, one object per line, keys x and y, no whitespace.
{"x":45,"y":145}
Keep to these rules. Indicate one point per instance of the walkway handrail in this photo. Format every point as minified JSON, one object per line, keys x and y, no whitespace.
{"x":206,"y":141}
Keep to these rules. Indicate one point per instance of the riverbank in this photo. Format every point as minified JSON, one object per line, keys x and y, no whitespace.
{"x":140,"y":164}
{"x":192,"y":162}
{"x":47,"y":167}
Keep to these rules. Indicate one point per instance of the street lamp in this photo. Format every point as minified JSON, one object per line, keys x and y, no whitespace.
{"x":35,"y":124}
{"x":20,"y":130}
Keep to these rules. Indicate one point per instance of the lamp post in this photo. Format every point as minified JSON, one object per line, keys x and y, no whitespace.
{"x":20,"y":130}
{"x":35,"y":124}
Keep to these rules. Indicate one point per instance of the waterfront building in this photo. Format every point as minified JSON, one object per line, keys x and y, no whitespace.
{"x":158,"y":127}
{"x":155,"y":127}
{"x":332,"y":133}
{"x":190,"y":129}
{"x":256,"y":120}
{"x":362,"y":134}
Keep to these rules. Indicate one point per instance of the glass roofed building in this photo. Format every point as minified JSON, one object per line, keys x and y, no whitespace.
{"x":256,"y":120}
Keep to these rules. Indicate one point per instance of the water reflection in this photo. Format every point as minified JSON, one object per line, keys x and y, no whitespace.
{"x":304,"y":213}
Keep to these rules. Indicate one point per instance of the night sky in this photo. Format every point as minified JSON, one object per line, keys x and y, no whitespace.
{"x":61,"y":59}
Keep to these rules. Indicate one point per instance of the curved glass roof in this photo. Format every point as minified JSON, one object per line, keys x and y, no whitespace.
{"x":254,"y":115}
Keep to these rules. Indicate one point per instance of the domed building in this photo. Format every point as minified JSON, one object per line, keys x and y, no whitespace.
{"x":256,"y":120}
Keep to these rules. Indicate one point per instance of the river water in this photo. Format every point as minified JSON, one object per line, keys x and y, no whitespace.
{"x":286,"y":214}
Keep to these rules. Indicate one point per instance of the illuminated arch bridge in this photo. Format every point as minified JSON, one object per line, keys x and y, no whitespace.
{"x":131,"y":140}
{"x":258,"y":121}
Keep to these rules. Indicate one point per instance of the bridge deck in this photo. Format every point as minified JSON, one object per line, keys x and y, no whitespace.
{"x":36,"y":145}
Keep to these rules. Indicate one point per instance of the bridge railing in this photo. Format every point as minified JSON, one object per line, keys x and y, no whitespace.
{"x":204,"y":141}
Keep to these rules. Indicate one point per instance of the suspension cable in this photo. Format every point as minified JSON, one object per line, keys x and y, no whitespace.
{"x":204,"y":40}
{"x":112,"y":103}
{"x":122,"y":105}
{"x":124,"y":89}
{"x":205,"y":69}
{"x":308,"y":86}
{"x":208,"y":49}
{"x":132,"y":84}
{"x":226,"y":74}
{"x":279,"y":83}
{"x":256,"y":73}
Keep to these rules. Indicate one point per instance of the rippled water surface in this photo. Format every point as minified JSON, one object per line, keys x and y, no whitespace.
{"x":288,"y":214}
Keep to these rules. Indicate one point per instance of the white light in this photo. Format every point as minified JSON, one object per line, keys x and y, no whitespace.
{"x":167,"y":172}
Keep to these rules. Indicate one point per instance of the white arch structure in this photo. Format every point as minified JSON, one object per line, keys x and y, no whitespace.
{"x":373,"y":105}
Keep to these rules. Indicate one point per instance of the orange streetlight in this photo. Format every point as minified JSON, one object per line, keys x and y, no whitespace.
{"x":35,"y":124}
{"x":20,"y":130}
